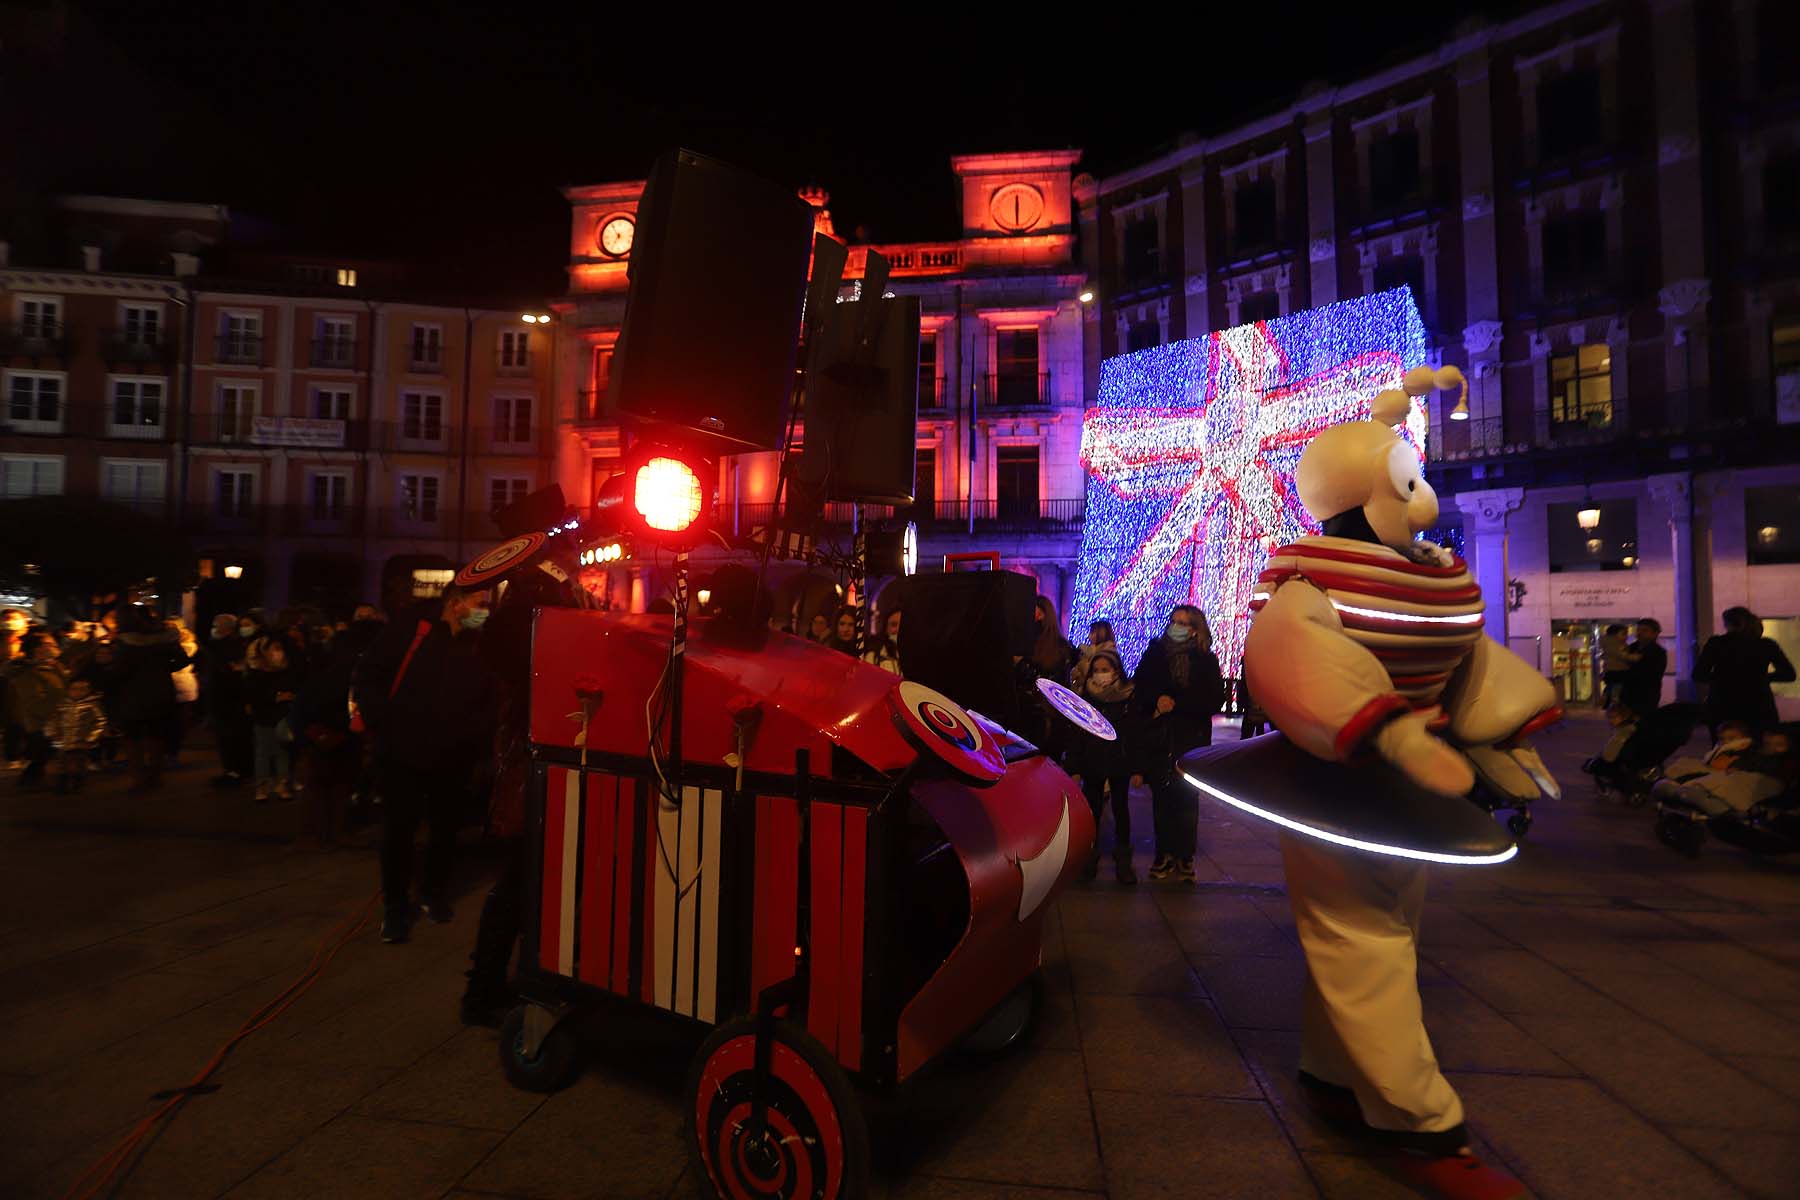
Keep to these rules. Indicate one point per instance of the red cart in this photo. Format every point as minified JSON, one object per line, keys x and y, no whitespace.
{"x":845,"y":877}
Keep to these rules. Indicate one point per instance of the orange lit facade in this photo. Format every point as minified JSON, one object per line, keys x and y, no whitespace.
{"x":1000,"y":367}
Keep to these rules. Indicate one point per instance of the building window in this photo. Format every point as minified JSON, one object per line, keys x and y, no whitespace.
{"x":1609,"y":546}
{"x":507,"y":489}
{"x":1016,"y":380}
{"x":1781,"y":198}
{"x":143,"y":325}
{"x":1142,"y":335}
{"x":25,"y":475}
{"x":1569,"y":115}
{"x":1142,"y":264}
{"x":1016,"y":481}
{"x":925,"y":480}
{"x":134,"y":482}
{"x":1394,"y":178}
{"x":1254,"y":211}
{"x":331,"y":404}
{"x":309,"y":273}
{"x":1772,"y":525}
{"x":419,"y":497}
{"x":137,"y":407}
{"x":1261,"y":306}
{"x":422,"y":417}
{"x":1407,"y":270}
{"x":240,"y":337}
{"x":430,"y":582}
{"x":34,"y":402}
{"x":1784,"y":355}
{"x":40,"y":318}
{"x":346,"y":276}
{"x":515,"y":349}
{"x":931,"y":391}
{"x":329,"y":495}
{"x":512,"y":420}
{"x":334,"y":343}
{"x":234,"y":493}
{"x":1574,"y":253}
{"x":1581,"y":386}
{"x":238,"y":403}
{"x":427,"y":347}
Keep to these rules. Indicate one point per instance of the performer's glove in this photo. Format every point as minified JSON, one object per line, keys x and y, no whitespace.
{"x":1428,"y":761}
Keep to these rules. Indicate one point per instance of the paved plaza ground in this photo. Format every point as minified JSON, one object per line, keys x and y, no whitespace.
{"x":1620,"y":1021}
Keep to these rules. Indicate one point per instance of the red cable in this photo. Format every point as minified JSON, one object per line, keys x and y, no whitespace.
{"x":336,"y":939}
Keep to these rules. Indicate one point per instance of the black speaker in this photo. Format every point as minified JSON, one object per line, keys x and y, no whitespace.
{"x":540,"y":512}
{"x":712,"y":322}
{"x":862,"y":403}
{"x":961,"y":633}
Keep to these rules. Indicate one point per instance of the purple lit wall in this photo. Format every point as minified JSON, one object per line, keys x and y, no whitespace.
{"x":1190,"y":454}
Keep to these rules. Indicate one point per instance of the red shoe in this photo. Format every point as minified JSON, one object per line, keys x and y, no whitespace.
{"x":1455,"y":1177}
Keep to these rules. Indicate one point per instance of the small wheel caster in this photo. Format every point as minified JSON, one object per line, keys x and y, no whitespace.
{"x":557,"y":1058}
{"x":1519,"y":823}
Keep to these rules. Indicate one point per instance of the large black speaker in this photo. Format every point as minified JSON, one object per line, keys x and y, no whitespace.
{"x":712,"y":324}
{"x":862,"y":403}
{"x":961,"y":632}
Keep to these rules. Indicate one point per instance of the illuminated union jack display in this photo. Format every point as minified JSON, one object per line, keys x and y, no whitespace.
{"x":1190,"y":454}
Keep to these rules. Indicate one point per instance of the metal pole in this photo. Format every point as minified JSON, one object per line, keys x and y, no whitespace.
{"x":677,"y":660}
{"x":462,"y":486}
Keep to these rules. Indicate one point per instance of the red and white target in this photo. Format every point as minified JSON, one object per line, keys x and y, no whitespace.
{"x":501,"y":559}
{"x":1073,"y":708}
{"x":940,"y":725}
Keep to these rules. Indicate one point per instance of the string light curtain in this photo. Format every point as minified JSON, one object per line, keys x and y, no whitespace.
{"x":1190,"y":453}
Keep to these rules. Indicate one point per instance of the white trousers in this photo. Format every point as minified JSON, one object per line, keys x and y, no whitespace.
{"x":1362,"y":1026}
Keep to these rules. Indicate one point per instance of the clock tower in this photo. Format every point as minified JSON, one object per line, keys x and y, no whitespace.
{"x":1018,"y":208}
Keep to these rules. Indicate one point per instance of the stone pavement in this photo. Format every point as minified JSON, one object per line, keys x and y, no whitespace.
{"x":1620,"y":1022}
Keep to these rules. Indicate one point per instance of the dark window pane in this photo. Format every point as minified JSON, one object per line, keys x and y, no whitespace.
{"x":1255,"y":214}
{"x":1569,"y":116}
{"x":1781,"y":197}
{"x":1016,"y":480}
{"x":1143,"y":256}
{"x":1263,"y":306}
{"x":1394,"y":170}
{"x":1142,"y":335}
{"x":925,"y":479}
{"x":1408,"y":271}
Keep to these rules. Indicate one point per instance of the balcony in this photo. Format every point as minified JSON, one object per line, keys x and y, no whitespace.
{"x":992,"y":515}
{"x":37,"y":341}
{"x":513,"y":363}
{"x":337,"y":353}
{"x":934,"y":393}
{"x":590,"y":408}
{"x":135,"y":346}
{"x":425,"y":360}
{"x":84,"y":419}
{"x":245,"y":349}
{"x":1624,"y":426}
{"x":1016,"y":390}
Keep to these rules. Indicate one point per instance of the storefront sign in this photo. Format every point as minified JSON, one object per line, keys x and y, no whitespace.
{"x":1587,"y":594}
{"x":297,"y":431}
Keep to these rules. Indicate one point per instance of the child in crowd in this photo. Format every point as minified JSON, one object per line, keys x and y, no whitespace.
{"x":75,"y":734}
{"x":1100,"y":637}
{"x":1103,"y":764}
{"x":270,"y":686}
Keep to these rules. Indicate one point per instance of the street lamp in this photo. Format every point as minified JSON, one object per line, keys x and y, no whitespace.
{"x":535,"y":318}
{"x":234,"y":572}
{"x":1589,"y":517}
{"x":1087,"y":296}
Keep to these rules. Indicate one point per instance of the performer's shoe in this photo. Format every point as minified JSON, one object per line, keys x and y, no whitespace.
{"x":1459,"y":1176}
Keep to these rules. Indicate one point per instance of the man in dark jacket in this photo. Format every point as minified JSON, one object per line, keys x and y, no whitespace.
{"x":138,"y":681}
{"x":427,"y":700}
{"x":1642,"y":690}
{"x":222,"y":694}
{"x":1175,"y":692}
{"x":1740,"y":665}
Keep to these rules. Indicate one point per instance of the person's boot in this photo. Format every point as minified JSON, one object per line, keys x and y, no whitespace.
{"x":396,"y":923}
{"x":1123,"y":871}
{"x":1092,"y":868}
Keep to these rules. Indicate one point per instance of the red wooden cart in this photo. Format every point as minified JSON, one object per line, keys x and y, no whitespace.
{"x":845,"y":876}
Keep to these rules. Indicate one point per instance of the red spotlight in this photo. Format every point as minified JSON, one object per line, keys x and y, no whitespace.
{"x":667,"y":494}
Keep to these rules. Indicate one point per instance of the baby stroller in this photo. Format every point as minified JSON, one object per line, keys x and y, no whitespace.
{"x":1638,"y":763}
{"x":1755,"y":805}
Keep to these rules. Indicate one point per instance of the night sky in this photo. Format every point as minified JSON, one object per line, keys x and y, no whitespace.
{"x":403,"y":130}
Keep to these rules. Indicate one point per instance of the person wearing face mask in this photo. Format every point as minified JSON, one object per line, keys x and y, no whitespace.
{"x":1177,"y":689}
{"x":427,"y":701}
{"x":1105,"y":765}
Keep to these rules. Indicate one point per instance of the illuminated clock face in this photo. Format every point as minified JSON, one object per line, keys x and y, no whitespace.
{"x":615,"y":236}
{"x":1017,"y":207}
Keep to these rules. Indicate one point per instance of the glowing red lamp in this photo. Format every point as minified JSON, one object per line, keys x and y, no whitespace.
{"x":666,"y":493}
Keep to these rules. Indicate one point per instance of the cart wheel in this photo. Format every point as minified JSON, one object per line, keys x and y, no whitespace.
{"x":1519,"y":823}
{"x":815,"y":1145}
{"x":1690,"y":838}
{"x":1008,"y":1028}
{"x":554,"y":1065}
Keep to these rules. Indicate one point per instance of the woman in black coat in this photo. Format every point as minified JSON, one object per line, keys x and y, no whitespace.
{"x":1105,"y":765}
{"x":1175,"y":692}
{"x":1741,"y":665}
